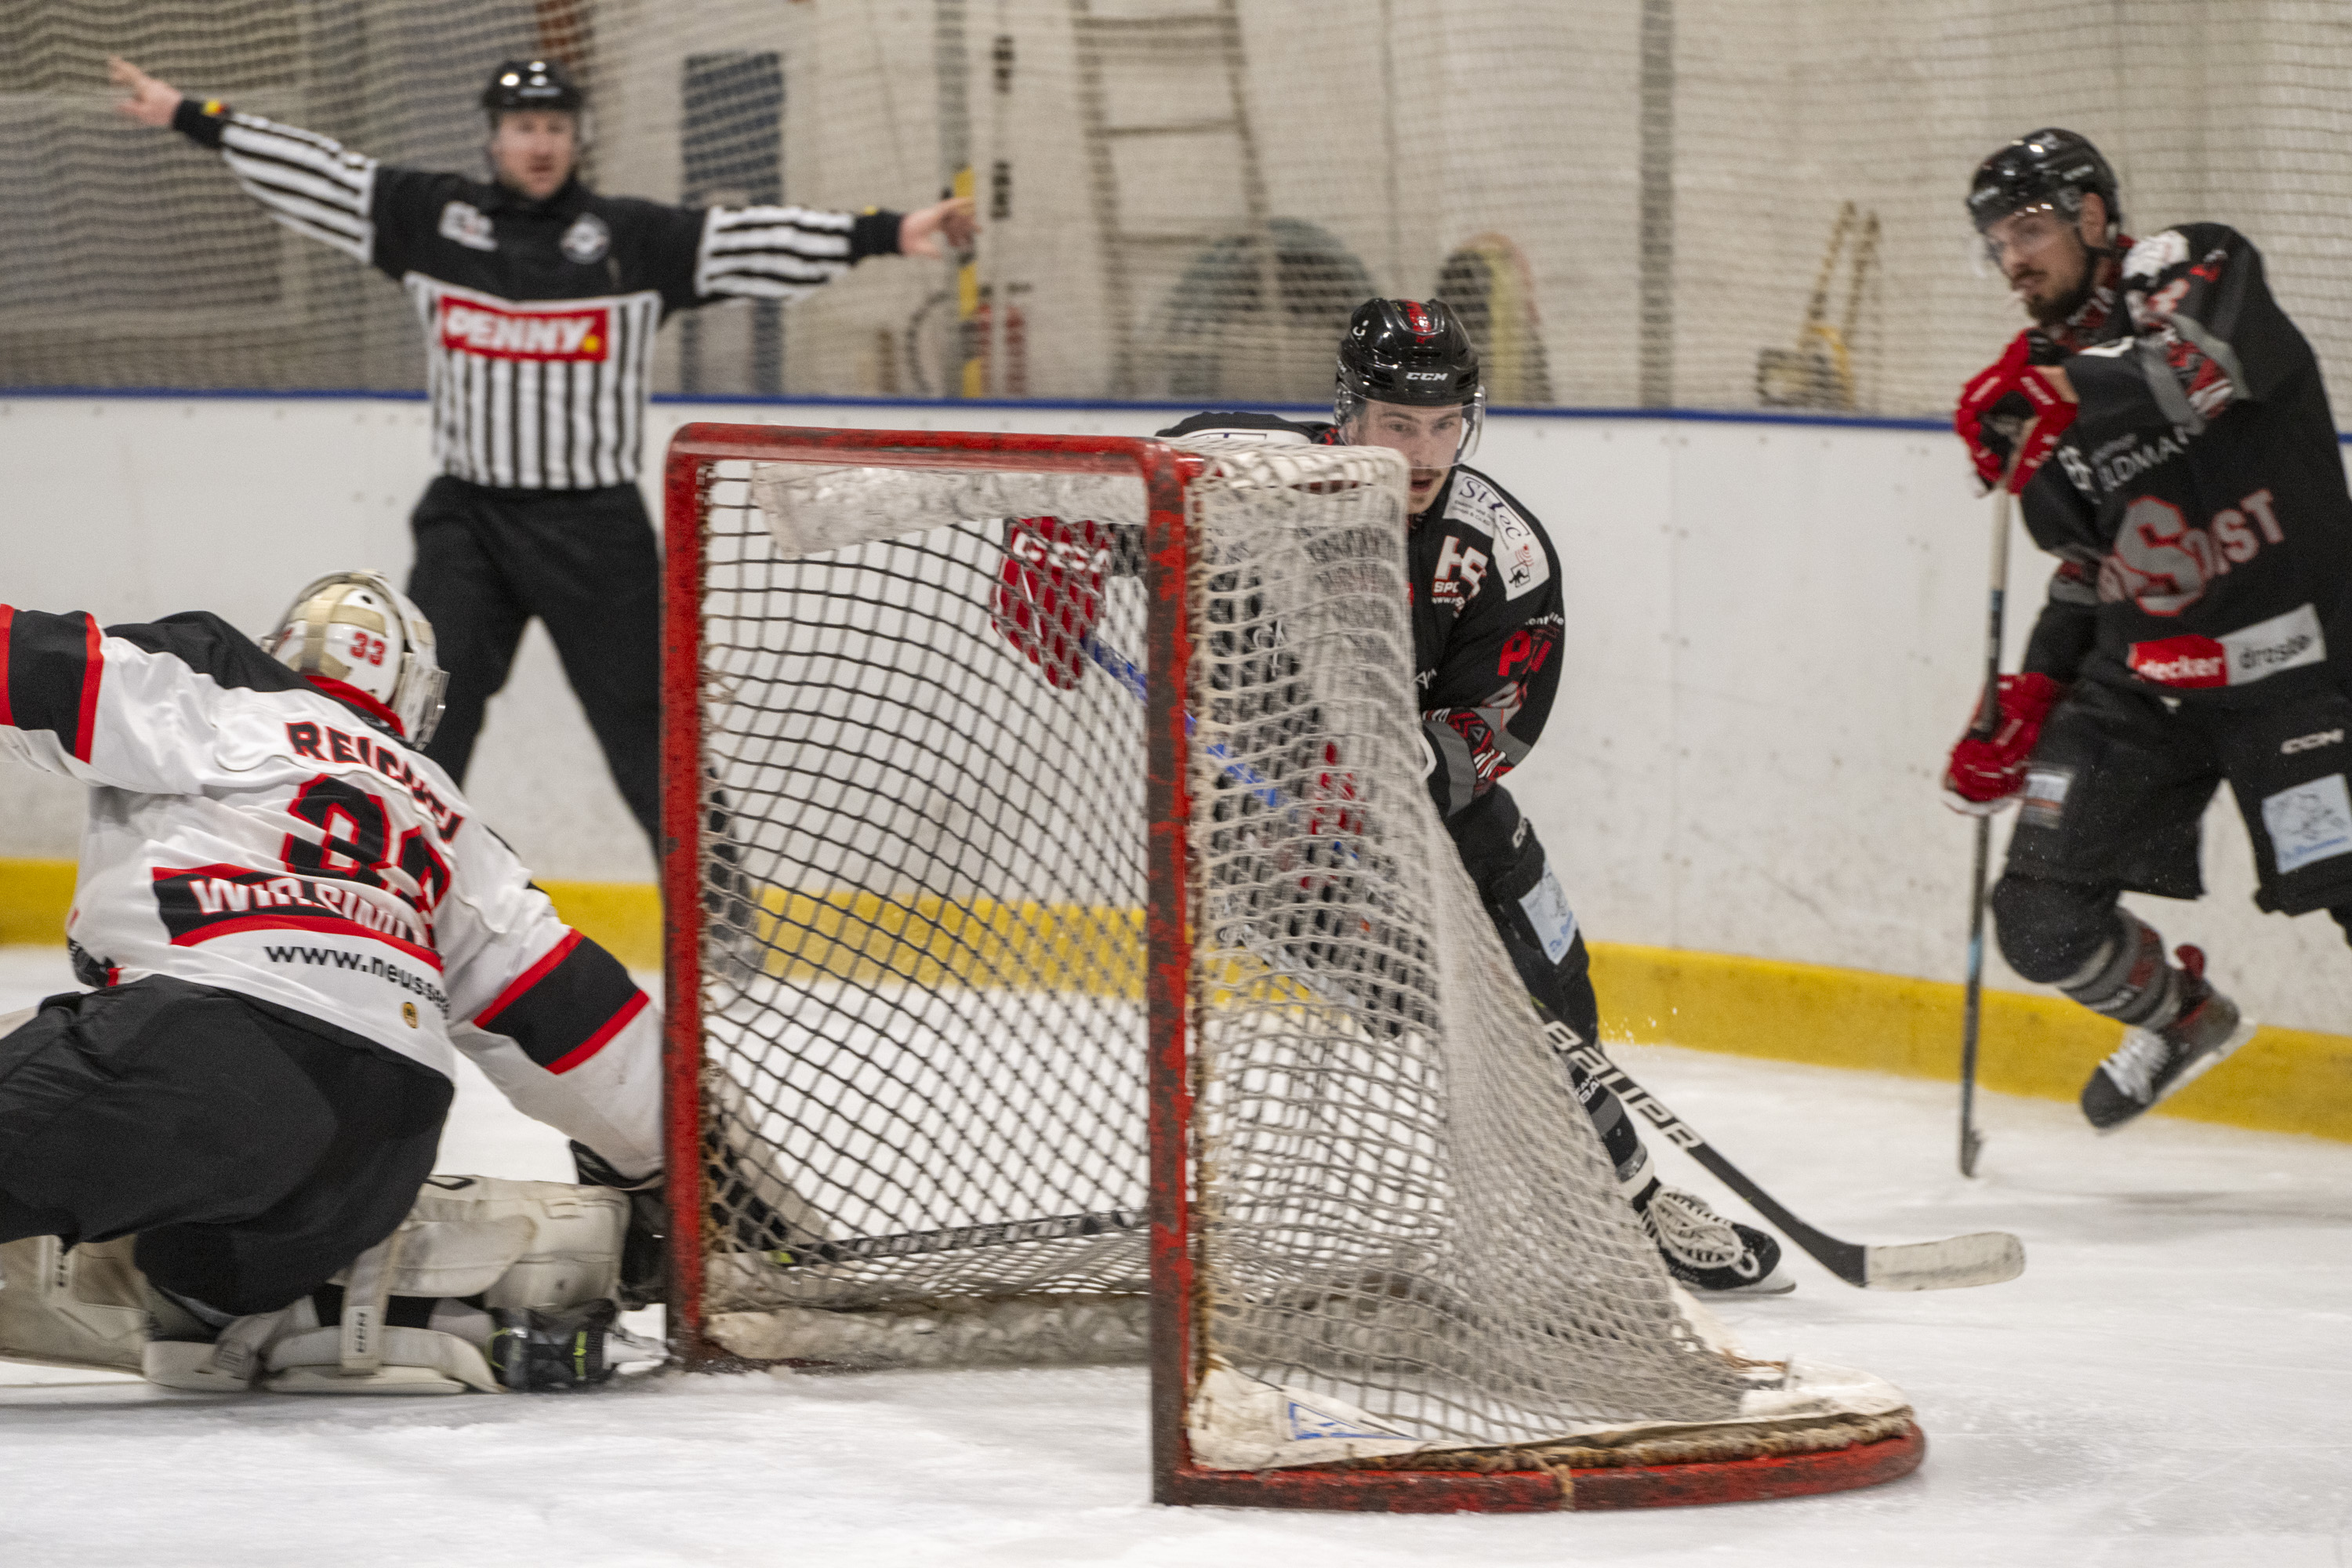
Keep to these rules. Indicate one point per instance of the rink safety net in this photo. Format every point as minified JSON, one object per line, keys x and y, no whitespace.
{"x":993,"y":1048}
{"x":1693,"y":204}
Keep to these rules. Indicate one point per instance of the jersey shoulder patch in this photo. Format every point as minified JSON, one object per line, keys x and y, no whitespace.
{"x":1476,"y":502}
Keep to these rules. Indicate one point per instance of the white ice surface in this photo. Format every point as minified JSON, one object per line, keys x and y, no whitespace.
{"x":2170,"y":1383}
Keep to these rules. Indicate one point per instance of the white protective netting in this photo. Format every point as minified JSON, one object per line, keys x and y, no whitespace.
{"x":924,"y":957}
{"x":1632,"y":200}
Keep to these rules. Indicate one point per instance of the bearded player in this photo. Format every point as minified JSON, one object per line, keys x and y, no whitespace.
{"x":2199,"y":620}
{"x":540,"y":299}
{"x":289,"y":919}
{"x":1487,"y":614}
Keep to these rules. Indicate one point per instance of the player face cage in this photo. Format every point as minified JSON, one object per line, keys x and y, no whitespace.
{"x":1410,"y":353}
{"x":355,"y":636}
{"x":2045,"y":171}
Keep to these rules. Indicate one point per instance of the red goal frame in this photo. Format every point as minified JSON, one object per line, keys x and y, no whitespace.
{"x":1165,"y":471}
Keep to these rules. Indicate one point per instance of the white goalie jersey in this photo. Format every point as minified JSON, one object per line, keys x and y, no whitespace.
{"x":248,"y":831}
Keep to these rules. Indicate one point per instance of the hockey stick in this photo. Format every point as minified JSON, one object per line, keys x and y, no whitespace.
{"x":1987,"y":721}
{"x":956,"y":1238}
{"x":1985,"y":1258}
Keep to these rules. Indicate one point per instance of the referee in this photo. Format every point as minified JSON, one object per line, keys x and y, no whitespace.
{"x":540,"y":300}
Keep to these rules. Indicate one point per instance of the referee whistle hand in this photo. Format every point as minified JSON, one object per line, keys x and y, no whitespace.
{"x":921,"y":232}
{"x":153,"y":100}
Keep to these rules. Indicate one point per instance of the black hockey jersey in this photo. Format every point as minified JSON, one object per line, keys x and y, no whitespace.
{"x":539,"y":316}
{"x":1486,"y":616}
{"x":2198,"y":503}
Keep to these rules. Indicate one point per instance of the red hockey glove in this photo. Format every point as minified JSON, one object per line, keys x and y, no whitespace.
{"x":1050,"y":593}
{"x":2010,"y":401}
{"x":1986,"y":773}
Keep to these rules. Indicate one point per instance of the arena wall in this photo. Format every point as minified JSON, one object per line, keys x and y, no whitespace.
{"x":1774,"y":630}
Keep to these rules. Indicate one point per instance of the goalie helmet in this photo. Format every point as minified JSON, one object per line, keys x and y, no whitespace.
{"x":356,"y":636}
{"x":2047,"y":166}
{"x":1406,"y":352}
{"x":531,"y":84}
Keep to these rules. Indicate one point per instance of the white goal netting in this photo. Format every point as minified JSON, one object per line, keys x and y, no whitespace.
{"x":1698,"y":203}
{"x":922,"y":1006}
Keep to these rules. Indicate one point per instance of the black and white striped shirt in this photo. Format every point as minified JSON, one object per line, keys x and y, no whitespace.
{"x":539,"y":317}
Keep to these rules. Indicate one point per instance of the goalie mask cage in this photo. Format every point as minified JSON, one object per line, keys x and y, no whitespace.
{"x":1029,"y":1005}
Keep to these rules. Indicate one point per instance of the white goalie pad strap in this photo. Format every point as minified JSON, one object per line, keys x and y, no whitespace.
{"x":401,"y":1361}
{"x":231,"y":1362}
{"x":81,"y":1308}
{"x":367,"y":1297}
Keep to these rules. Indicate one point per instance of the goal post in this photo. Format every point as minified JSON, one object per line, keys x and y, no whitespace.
{"x":1065,"y":964}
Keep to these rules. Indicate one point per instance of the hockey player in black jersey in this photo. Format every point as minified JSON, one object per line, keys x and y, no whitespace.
{"x":2199,"y":622}
{"x":540,"y":300}
{"x":1488,"y":607}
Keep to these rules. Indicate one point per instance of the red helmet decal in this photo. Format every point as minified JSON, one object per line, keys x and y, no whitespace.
{"x":1417,"y":318}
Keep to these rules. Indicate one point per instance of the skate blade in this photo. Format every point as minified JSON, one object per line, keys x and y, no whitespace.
{"x":2203,"y":1065}
{"x":1775,"y":1283}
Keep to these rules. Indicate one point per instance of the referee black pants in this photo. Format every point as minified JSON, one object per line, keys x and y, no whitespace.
{"x":583,"y":561}
{"x":254,"y":1150}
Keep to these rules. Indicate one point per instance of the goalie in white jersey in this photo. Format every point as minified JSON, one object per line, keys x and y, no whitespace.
{"x":292,"y":921}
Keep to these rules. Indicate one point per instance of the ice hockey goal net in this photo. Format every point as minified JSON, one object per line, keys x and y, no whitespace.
{"x":1065,"y":964}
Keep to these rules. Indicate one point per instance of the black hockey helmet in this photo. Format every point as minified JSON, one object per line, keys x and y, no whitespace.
{"x":2049,"y":166}
{"x":531,"y":84}
{"x":1403,"y":350}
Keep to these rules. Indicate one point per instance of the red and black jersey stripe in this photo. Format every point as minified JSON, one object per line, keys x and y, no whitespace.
{"x":49,"y":673}
{"x":564,"y":1008}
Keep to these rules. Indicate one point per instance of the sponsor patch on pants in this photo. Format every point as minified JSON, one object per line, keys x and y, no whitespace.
{"x":2043,"y":801}
{"x":2310,"y":822}
{"x":1547,"y":910}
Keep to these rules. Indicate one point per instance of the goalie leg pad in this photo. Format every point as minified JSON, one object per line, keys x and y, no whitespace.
{"x":84,"y":1307}
{"x":528,"y":1252}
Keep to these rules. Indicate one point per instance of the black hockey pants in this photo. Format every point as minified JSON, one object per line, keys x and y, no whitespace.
{"x":1506,"y":863}
{"x":2114,"y":798}
{"x":581,"y":561}
{"x":252,"y":1150}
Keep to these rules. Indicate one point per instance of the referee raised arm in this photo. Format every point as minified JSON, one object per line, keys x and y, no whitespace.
{"x":540,"y":299}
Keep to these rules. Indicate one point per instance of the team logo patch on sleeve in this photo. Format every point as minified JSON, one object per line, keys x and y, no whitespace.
{"x":469,"y":225}
{"x":583,"y":332}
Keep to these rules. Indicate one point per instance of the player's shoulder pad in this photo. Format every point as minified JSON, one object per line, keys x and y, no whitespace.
{"x":210,"y":646}
{"x":1522,"y":551}
{"x":1265,"y":428}
{"x":2159,"y":253}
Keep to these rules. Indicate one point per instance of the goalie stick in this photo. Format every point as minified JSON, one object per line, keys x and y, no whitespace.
{"x":1983,"y":1257}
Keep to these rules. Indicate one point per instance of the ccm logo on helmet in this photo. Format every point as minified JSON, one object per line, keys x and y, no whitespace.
{"x":2310,"y":743}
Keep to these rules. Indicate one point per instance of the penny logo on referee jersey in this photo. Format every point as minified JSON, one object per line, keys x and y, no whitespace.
{"x":493,"y":333}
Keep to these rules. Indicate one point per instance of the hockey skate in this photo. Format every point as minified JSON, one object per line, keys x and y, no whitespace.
{"x":1704,"y":1251}
{"x":2153,"y":1064}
